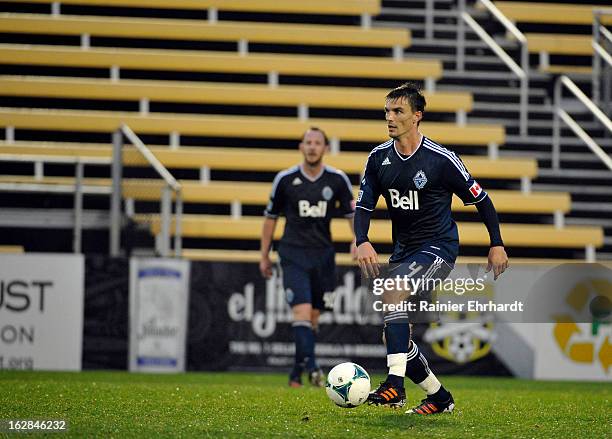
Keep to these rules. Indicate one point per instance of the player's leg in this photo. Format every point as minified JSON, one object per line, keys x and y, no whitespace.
{"x":438,"y":399}
{"x":322,"y":281}
{"x":296,"y":282}
{"x":304,"y":337}
{"x":391,"y":392}
{"x":315,"y":373}
{"x":396,"y":335}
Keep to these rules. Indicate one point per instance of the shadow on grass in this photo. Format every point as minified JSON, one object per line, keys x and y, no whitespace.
{"x":397,"y":419}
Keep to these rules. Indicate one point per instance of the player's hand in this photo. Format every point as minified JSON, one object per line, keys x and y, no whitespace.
{"x":367,"y":258}
{"x":353,"y":250}
{"x":265,"y":267}
{"x":498,"y":261}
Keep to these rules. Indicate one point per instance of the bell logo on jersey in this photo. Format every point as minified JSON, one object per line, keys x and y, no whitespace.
{"x":475,"y":189}
{"x":318,"y":210}
{"x":410,"y":201}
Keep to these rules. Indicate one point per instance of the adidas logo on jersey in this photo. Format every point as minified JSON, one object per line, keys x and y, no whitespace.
{"x":386,"y":161}
{"x":296,"y":181}
{"x":410,"y":201}
{"x":307,"y":210}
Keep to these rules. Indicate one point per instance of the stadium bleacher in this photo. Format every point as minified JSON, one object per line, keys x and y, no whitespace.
{"x":335,"y":7}
{"x":242,"y":126}
{"x":196,"y":30}
{"x":255,"y":159}
{"x":220,"y":93}
{"x":118,"y":64}
{"x":568,"y":43}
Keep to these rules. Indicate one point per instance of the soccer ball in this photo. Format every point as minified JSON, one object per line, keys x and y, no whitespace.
{"x":348,"y":385}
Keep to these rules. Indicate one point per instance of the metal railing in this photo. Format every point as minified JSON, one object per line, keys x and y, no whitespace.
{"x":601,"y":37}
{"x":170,"y":187}
{"x":560,"y":114}
{"x":78,"y":189}
{"x":521,"y":72}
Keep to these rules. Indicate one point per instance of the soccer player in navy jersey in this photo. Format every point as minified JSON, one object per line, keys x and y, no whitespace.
{"x":308,"y":195}
{"x":417,"y":177}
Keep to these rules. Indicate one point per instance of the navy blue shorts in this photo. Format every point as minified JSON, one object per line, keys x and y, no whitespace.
{"x":422,"y":263}
{"x":429,"y":262}
{"x":427,"y":269}
{"x":308,"y":273}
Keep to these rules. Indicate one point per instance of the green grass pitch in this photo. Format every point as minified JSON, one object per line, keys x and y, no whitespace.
{"x":118,"y":404}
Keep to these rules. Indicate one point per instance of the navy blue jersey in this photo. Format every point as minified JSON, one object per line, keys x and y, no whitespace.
{"x":418,"y":190}
{"x":309,"y":204}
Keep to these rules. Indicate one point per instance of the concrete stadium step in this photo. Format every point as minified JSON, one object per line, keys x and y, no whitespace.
{"x":544,"y":157}
{"x":544,"y":124}
{"x":576,"y":173}
{"x":565,"y":141}
{"x":589,"y":222}
{"x":425,"y":52}
{"x":479,"y":90}
{"x":604,"y":189}
{"x":53,"y":218}
{"x":591,"y":207}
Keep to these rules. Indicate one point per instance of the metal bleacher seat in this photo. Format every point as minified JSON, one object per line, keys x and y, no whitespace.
{"x":256,"y":159}
{"x":11,"y":249}
{"x":556,"y":13}
{"x":333,"y":7}
{"x":546,"y":44}
{"x":471,"y":234}
{"x":221,"y":93}
{"x":226,"y":192}
{"x":202,"y":30}
{"x":116,"y":59}
{"x":242,"y":126}
{"x":562,"y":44}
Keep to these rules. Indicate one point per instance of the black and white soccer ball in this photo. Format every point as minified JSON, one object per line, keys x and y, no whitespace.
{"x":348,"y":385}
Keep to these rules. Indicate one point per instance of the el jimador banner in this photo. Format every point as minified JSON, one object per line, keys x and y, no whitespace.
{"x":41,"y":311}
{"x":159,"y":297}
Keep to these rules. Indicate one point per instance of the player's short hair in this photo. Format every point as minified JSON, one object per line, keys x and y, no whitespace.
{"x":319,"y":130}
{"x":412,"y":93}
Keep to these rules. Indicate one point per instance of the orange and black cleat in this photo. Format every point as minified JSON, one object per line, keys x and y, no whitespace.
{"x":430,"y":407}
{"x":386,"y":394}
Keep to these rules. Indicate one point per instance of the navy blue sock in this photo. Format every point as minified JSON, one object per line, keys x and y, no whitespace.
{"x":441,"y":396}
{"x":311,"y":359}
{"x":417,"y":368}
{"x":304,"y":346}
{"x":397,"y":336}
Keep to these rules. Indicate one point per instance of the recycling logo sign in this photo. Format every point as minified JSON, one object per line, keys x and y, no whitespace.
{"x":584,"y":342}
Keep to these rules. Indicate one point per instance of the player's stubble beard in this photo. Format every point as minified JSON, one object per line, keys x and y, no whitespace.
{"x":314,"y":164}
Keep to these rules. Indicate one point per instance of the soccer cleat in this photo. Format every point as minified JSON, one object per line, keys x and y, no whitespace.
{"x":316,"y":378}
{"x":295,"y":379}
{"x":386,"y":394}
{"x":295,"y":382}
{"x":430,"y":407}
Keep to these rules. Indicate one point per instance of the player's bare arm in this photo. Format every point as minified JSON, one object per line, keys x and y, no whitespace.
{"x":265,"y":264}
{"x":367,"y":258}
{"x":497,"y":261}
